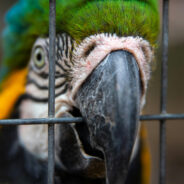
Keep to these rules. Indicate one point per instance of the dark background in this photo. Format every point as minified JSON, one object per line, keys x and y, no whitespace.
{"x":175,"y":129}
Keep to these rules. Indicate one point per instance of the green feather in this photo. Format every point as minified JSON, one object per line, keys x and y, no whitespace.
{"x":130,"y":18}
{"x":28,"y":20}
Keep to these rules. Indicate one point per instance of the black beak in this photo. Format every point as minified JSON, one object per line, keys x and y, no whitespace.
{"x":109,"y":100}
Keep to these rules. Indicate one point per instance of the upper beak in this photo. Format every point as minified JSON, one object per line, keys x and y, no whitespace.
{"x":109,"y":100}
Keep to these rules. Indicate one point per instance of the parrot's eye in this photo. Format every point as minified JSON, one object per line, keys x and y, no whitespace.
{"x":38,"y":57}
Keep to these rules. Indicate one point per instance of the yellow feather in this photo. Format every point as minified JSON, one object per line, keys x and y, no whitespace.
{"x":145,"y":157}
{"x":12,"y":88}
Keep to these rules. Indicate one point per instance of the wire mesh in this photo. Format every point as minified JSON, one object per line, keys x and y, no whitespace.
{"x":162,"y":117}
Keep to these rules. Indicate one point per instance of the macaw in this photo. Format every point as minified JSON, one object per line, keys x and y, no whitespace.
{"x":104,"y":50}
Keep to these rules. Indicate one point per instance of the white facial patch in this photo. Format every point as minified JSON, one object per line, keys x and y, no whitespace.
{"x":35,"y":137}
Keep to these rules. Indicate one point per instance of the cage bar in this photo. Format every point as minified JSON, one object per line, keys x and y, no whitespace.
{"x":164,"y":84}
{"x":64,"y":120}
{"x":51,"y":103}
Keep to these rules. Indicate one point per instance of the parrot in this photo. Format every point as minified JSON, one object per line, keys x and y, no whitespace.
{"x":104,"y":52}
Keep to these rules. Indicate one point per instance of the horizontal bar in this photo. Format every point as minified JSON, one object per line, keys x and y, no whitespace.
{"x":40,"y":121}
{"x":80,"y":119}
{"x":162,"y":117}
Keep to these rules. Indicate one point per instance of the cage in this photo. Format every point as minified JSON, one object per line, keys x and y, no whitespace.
{"x":162,"y":117}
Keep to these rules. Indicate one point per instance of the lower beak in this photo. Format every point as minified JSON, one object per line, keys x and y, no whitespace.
{"x":109,"y":100}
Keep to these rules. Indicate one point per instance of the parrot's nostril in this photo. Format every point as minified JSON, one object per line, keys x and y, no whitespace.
{"x":90,"y":49}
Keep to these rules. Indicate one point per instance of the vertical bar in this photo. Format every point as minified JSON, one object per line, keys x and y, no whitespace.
{"x":164,"y":83}
{"x":51,"y":103}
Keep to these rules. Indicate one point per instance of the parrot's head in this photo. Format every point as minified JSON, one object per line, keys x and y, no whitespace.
{"x":103,"y":55}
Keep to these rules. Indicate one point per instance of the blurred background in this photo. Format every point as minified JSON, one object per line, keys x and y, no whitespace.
{"x":175,"y":129}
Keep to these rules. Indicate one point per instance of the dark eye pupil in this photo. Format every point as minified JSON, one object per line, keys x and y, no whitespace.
{"x":39,"y":56}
